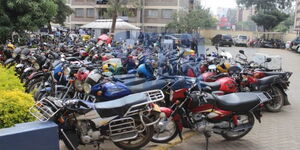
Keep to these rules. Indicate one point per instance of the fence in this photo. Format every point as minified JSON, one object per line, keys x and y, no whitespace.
{"x":30,"y":136}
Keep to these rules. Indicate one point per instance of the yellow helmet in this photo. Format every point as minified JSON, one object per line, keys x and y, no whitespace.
{"x":105,"y":68}
{"x":223,"y":68}
{"x":86,"y":37}
{"x":10,"y":46}
{"x":189,"y":52}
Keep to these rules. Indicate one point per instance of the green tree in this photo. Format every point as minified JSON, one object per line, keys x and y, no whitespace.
{"x":192,"y":21}
{"x":117,"y":7}
{"x":63,"y":11}
{"x":285,"y":25}
{"x":266,"y":4}
{"x":24,"y":15}
{"x":269,"y":19}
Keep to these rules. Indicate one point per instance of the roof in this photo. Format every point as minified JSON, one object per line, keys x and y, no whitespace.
{"x":106,"y":24}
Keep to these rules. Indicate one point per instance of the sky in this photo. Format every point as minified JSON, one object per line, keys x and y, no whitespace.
{"x":214,"y":4}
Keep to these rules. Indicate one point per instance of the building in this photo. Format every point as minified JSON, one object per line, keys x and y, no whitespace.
{"x":152,"y":16}
{"x":297,"y":17}
{"x":244,"y":14}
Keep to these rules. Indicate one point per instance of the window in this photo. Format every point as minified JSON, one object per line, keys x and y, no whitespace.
{"x":153,"y":13}
{"x":167,"y":13}
{"x":90,"y":12}
{"x":102,"y":13}
{"x":79,"y":12}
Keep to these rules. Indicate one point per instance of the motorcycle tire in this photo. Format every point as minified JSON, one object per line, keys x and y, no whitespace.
{"x":229,"y":137}
{"x":165,"y":139}
{"x":147,"y":135}
{"x":277,"y":102}
{"x":31,"y":86}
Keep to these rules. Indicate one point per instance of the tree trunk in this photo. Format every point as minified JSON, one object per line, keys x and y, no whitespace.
{"x":113,"y":25}
{"x":49,"y":27}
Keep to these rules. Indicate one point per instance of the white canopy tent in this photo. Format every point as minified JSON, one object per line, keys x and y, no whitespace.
{"x":106,"y":24}
{"x":122,"y":32}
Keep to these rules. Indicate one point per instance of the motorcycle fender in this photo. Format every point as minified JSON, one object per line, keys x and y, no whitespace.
{"x":35,"y":75}
{"x":257,"y":114}
{"x":19,"y":66}
{"x":8,"y":61}
{"x":176,"y":118}
{"x":286,"y":100}
{"x":28,"y":69}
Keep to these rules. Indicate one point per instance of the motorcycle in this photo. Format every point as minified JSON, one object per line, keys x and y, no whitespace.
{"x":127,"y":122}
{"x":231,"y":115}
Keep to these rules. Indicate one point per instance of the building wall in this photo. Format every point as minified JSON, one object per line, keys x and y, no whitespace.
{"x":155,"y":16}
{"x":297,"y":17}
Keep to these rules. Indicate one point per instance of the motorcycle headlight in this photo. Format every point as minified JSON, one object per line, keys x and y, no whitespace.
{"x":67,"y":71}
{"x":22,"y":57}
{"x":78,"y":85}
{"x":14,"y":55}
{"x":87,"y":88}
{"x":36,"y":66}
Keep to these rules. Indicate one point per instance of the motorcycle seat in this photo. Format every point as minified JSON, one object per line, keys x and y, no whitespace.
{"x":147,"y":86}
{"x":237,"y":102}
{"x":124,"y":76}
{"x":267,"y":80}
{"x":119,"y":106}
{"x":134,"y":81}
{"x":215,"y":86}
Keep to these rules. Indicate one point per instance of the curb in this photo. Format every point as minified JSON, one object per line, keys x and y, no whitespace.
{"x":174,"y":142}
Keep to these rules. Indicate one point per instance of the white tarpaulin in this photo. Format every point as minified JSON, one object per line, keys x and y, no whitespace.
{"x":106,"y":24}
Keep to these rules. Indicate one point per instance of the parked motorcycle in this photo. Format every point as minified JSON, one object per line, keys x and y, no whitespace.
{"x":127,"y":122}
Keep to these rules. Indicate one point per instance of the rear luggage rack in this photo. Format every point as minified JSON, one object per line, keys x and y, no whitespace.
{"x":264,"y":96}
{"x":152,"y":97}
{"x":43,"y":112}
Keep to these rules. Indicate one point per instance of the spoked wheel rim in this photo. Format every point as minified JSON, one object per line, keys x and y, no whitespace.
{"x":164,"y":130}
{"x":142,"y":139}
{"x":277,"y":101}
{"x":246,"y":119}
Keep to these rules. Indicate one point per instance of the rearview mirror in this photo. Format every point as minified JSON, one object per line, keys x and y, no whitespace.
{"x":269,"y":60}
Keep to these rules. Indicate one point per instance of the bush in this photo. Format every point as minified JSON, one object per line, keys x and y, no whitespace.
{"x":14,"y":107}
{"x":8,"y":80}
{"x":14,"y":103}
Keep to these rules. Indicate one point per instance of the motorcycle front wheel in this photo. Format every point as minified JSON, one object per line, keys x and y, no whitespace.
{"x":243,"y":120}
{"x":142,"y":140}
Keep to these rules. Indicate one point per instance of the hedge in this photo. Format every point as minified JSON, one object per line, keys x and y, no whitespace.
{"x":14,"y":102}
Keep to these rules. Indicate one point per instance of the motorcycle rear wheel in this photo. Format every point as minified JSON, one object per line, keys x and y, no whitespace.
{"x":277,"y":102}
{"x":142,"y":140}
{"x":231,"y":135}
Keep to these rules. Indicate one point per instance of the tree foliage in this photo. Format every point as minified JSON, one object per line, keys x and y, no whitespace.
{"x":192,"y":21}
{"x":63,"y":11}
{"x":269,"y":19}
{"x":29,"y":15}
{"x":285,"y":25}
{"x":266,"y":4}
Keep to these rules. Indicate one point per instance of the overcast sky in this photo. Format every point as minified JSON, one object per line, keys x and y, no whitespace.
{"x":214,"y":4}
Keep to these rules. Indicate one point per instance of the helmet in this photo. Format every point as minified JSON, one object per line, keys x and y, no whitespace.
{"x":223,"y":68}
{"x":144,"y":71}
{"x":10,"y":46}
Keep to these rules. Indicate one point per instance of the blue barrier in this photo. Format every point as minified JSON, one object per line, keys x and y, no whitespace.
{"x":30,"y":136}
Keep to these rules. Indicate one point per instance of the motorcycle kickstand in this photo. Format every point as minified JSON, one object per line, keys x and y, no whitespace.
{"x":207,"y":135}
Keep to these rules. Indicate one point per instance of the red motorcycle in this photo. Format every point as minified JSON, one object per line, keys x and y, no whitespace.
{"x":231,"y":115}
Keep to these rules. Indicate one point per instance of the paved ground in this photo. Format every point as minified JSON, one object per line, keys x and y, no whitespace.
{"x":277,"y":131}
